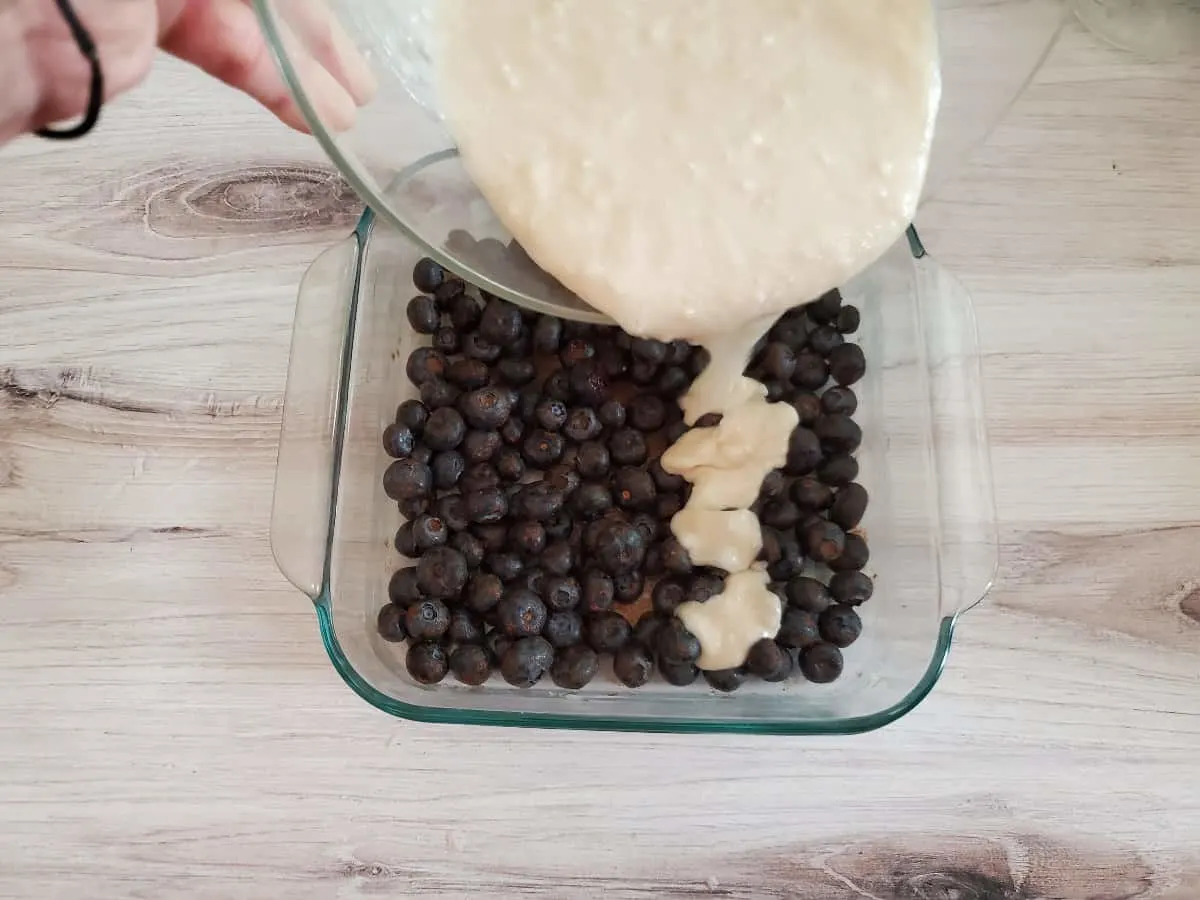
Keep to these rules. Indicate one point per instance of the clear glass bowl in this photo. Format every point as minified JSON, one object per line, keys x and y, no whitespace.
{"x":401,"y":160}
{"x":925,"y":461}
{"x":1157,"y":29}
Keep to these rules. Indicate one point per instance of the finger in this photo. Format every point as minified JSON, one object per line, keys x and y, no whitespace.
{"x":326,"y":41}
{"x":222,"y":37}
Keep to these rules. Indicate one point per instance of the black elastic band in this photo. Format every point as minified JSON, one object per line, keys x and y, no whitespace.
{"x":96,"y":96}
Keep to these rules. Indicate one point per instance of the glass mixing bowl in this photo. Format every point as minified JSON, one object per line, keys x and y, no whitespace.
{"x":402,"y":161}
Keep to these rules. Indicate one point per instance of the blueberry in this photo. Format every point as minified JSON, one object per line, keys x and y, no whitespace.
{"x":599,"y":594}
{"x":847,"y":364}
{"x":428,"y":275}
{"x":804,"y":452}
{"x":678,"y":674}
{"x":540,"y":502}
{"x":777,"y":361}
{"x":790,"y":561}
{"x":709,"y":420}
{"x":477,"y":347}
{"x":547,"y":334}
{"x":673,"y":381}
{"x":427,"y":620}
{"x":774,"y":485}
{"x":849,"y":506}
{"x":483,"y":593}
{"x":390,"y":624}
{"x":619,"y":548}
{"x":464,"y":312}
{"x":821,"y":663}
{"x":725,"y":680}
{"x":398,"y":441}
{"x":669,"y":594}
{"x":497,"y":644}
{"x":667,"y":506}
{"x":851,"y":588}
{"x":633,"y":665}
{"x":645,"y":632}
{"x":448,"y":468}
{"x":452,"y":509}
{"x":676,"y":644}
{"x":563,"y":477}
{"x":647,"y":412}
{"x":494,"y":537}
{"x":838,"y":470}
{"x":798,"y":629}
{"x":848,"y":320}
{"x":825,"y":308}
{"x":643,"y":373}
{"x":854,"y":556}
{"x":411,"y":507}
{"x":526,"y":661}
{"x":782,"y":514}
{"x":468,"y":374}
{"x":407,"y":478}
{"x":807,"y":406}
{"x":838,"y":434}
{"x":589,"y":383}
{"x":633,"y":488}
{"x":575,"y":351}
{"x":464,"y":628}
{"x":480,"y":446}
{"x":675,"y":557}
{"x":808,"y":595}
{"x":442,"y":573}
{"x":607,"y":632}
{"x":426,"y":662}
{"x":791,"y":330}
{"x":487,"y":505}
{"x":612,"y":414}
{"x":403,"y":588}
{"x":487,"y":408}
{"x":575,"y":667}
{"x":521,"y":613}
{"x":423,"y":315}
{"x":429,"y":532}
{"x":769,"y":661}
{"x":507,"y":566}
{"x":627,"y":446}
{"x":543,"y":448}
{"x":516,"y":371}
{"x":509,"y":464}
{"x":551,"y":414}
{"x":470,"y":547}
{"x":471,"y":664}
{"x":628,"y":587}
{"x":405,"y":542}
{"x":825,"y":339}
{"x":558,"y":558}
{"x":437,"y":392}
{"x":500,"y":323}
{"x":425,"y":364}
{"x":811,"y":371}
{"x":446,"y":340}
{"x":582,"y":425}
{"x":527,"y":538}
{"x":647,"y":525}
{"x":412,"y":414}
{"x":811,"y":494}
{"x":451,"y":288}
{"x":562,"y":593}
{"x":664,"y":481}
{"x":649,"y":350}
{"x":593,"y":460}
{"x":558,"y":385}
{"x":704,"y":586}
{"x":839,"y":401}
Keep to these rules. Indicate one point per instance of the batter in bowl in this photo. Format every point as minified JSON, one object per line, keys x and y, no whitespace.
{"x":694,"y":168}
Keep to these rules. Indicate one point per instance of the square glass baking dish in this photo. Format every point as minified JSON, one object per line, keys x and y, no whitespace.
{"x":924,"y":459}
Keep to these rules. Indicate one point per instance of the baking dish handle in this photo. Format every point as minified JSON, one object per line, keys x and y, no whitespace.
{"x":966,"y":503}
{"x":300,"y":516}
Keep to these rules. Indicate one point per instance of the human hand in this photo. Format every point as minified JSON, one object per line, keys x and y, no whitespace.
{"x":47,"y":79}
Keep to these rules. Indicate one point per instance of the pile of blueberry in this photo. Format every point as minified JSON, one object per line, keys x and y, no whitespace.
{"x":538,"y":513}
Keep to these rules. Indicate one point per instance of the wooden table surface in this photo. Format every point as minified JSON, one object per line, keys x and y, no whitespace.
{"x":171,"y":727}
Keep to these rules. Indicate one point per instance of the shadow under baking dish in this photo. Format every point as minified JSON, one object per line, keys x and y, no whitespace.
{"x":924,"y":459}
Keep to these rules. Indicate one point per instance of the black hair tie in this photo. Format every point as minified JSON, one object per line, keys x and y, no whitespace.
{"x":96,"y":95}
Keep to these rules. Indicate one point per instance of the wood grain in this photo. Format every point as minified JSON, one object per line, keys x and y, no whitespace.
{"x":170,"y":727}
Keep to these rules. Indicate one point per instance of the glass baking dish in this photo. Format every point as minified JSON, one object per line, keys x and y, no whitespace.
{"x":924,"y":459}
